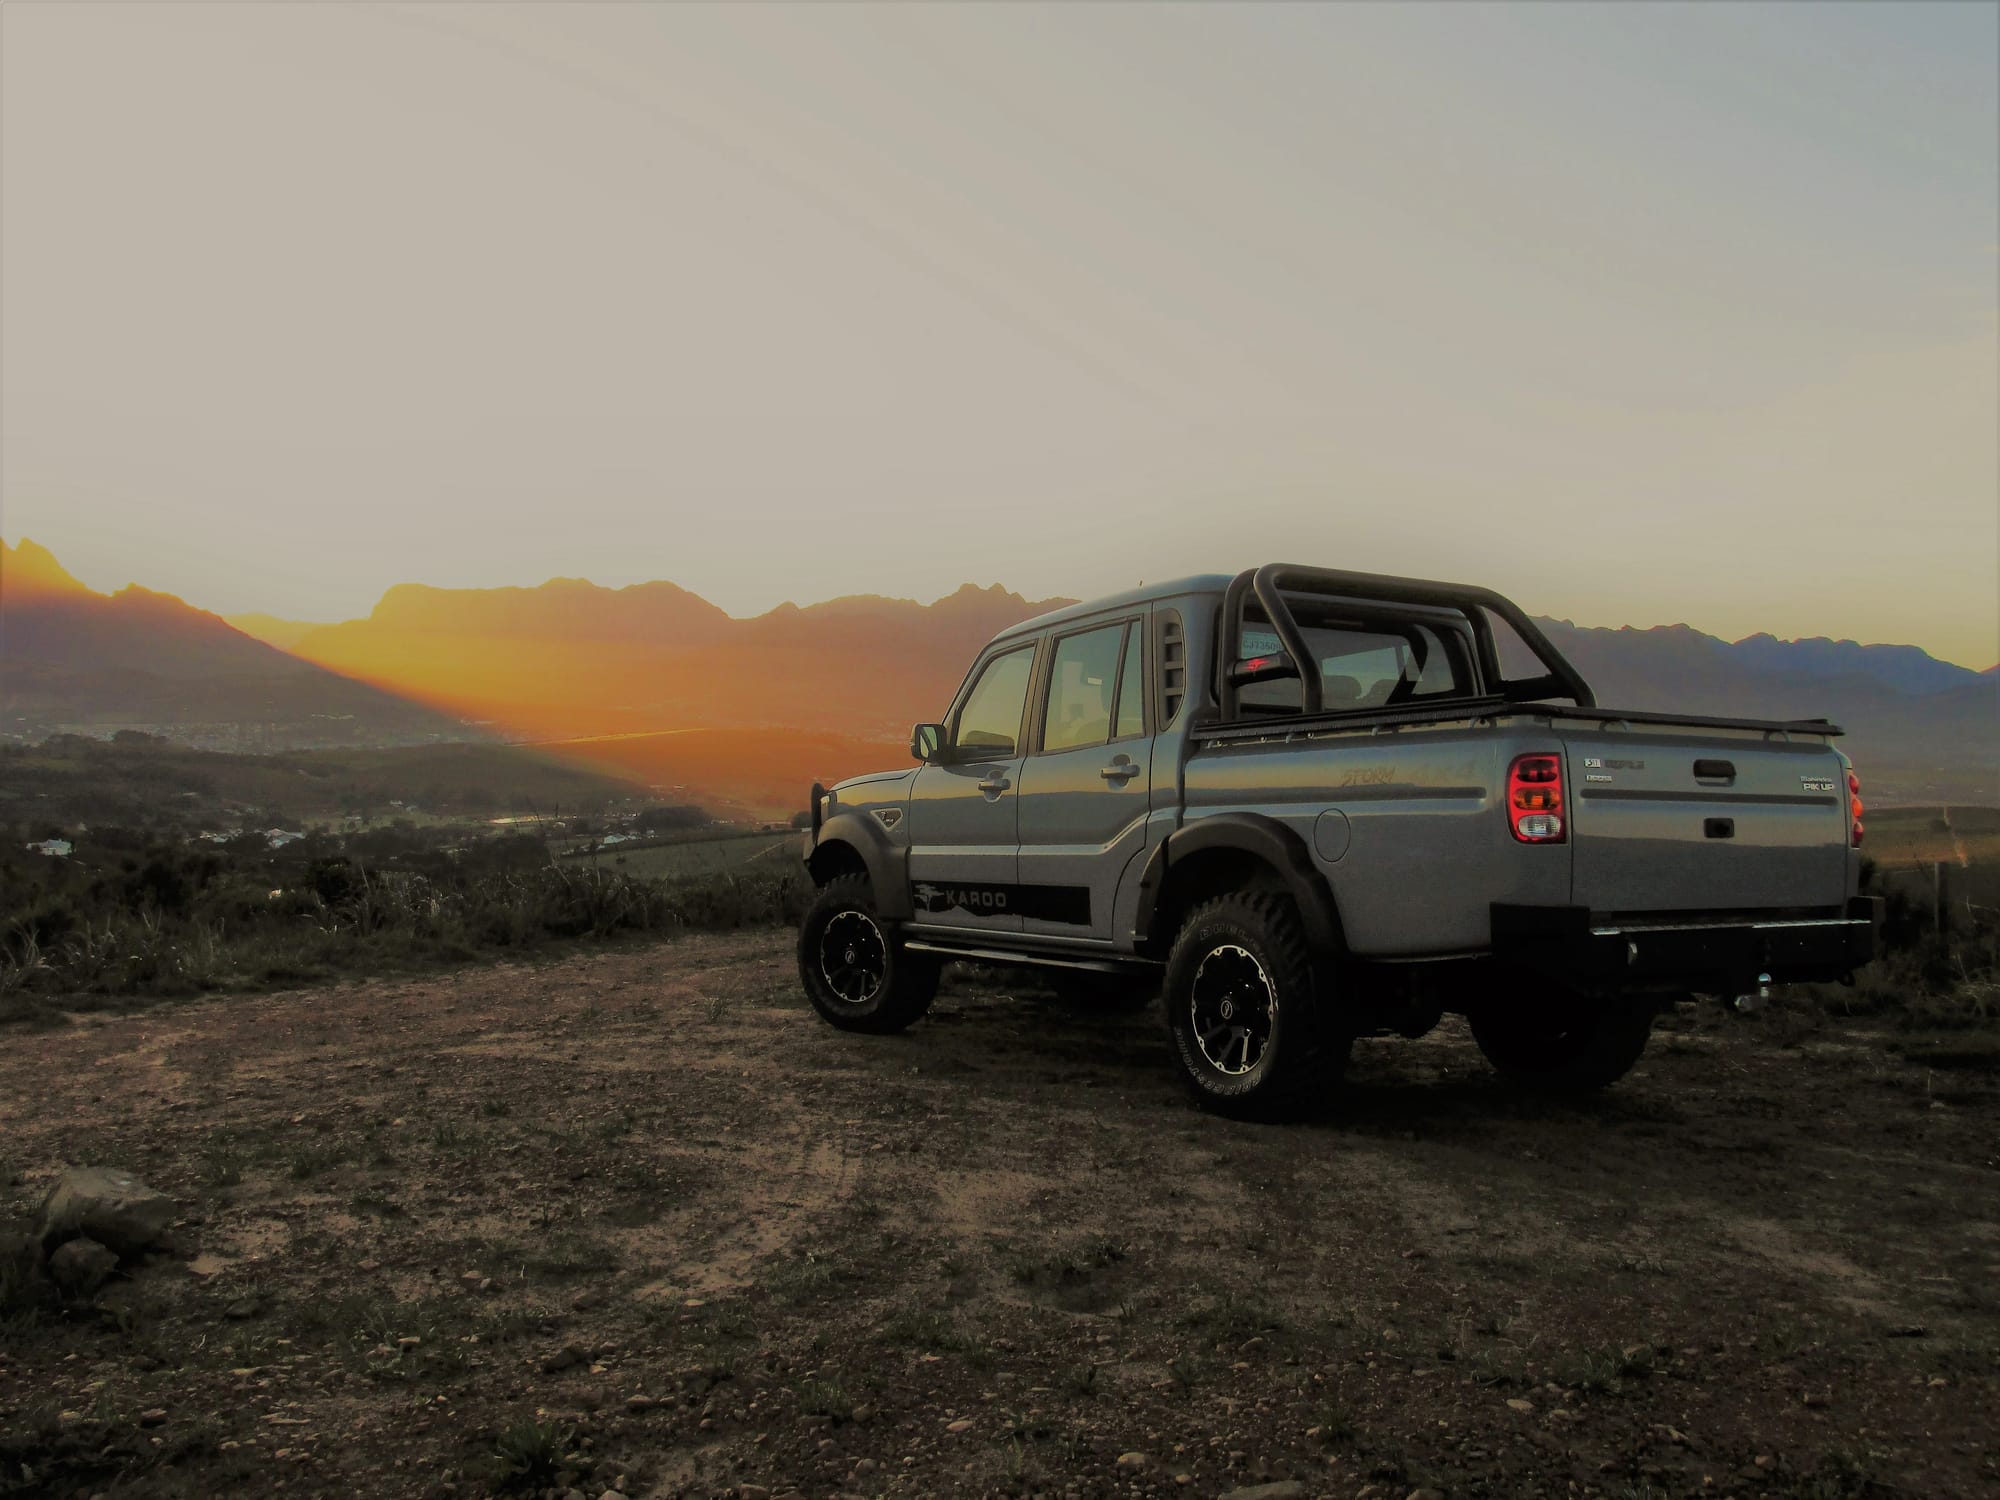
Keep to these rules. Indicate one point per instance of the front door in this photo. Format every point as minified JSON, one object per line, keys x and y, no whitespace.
{"x":1086,"y":790}
{"x":962,"y":812}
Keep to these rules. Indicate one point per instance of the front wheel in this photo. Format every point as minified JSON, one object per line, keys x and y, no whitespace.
{"x":1558,"y":1041}
{"x":1242,"y":1017}
{"x":856,"y":971}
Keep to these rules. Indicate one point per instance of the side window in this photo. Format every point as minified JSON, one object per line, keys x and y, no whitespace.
{"x":1132,"y":685}
{"x":991,"y":718}
{"x":1080,"y":686}
{"x":1359,"y":669}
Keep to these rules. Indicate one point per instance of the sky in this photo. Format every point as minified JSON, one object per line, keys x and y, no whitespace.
{"x":1639,"y":313}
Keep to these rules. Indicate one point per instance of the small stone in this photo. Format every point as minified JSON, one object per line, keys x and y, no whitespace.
{"x":241,"y":1310}
{"x":865,"y":1466}
{"x":862,"y":1412}
{"x":611,"y":1495}
{"x":409,"y":1341}
{"x":963,"y":1424}
{"x":640,"y":1403}
{"x":1283,"y":1489}
{"x":1515,"y":1403}
{"x":1425,"y":1495}
{"x":752,"y":1492}
{"x":563,"y":1359}
{"x":152,"y":1416}
{"x":80,"y":1267}
{"x":1814,"y":1399}
{"x":1763,"y":1460}
{"x":1133,"y":1460}
{"x":1910,"y":1331}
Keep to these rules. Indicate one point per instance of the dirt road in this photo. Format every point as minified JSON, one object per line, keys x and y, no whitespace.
{"x":636,"y":1220}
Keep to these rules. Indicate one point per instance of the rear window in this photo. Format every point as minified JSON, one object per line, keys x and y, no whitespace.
{"x":1358,"y":669}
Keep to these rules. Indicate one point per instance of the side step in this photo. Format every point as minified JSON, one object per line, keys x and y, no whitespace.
{"x":1040,"y":960}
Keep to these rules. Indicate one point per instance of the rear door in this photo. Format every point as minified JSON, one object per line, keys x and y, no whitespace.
{"x":1086,"y":788}
{"x":1704,"y":822}
{"x":962,"y":814}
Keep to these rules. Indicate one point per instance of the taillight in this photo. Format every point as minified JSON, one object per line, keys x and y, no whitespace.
{"x":1535,"y":799}
{"x":1854,"y":809}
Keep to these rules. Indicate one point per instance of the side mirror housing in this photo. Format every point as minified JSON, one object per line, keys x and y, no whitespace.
{"x":927,"y":743}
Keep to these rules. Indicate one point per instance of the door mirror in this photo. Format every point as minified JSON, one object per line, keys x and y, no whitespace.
{"x":927,"y":743}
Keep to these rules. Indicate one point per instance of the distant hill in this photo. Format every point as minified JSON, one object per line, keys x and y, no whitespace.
{"x":1917,"y":728}
{"x":284,"y":634}
{"x":72,"y":658}
{"x":830,"y":689}
{"x":570,"y":659}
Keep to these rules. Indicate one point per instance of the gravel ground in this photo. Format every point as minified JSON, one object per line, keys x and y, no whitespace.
{"x":635,"y":1220}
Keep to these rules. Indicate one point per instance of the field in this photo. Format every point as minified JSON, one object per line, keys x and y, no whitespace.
{"x":635,"y":1220}
{"x":1908,"y":842}
{"x":683,"y":858}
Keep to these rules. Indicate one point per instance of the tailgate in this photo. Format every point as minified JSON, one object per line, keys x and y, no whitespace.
{"x":1698,"y":821}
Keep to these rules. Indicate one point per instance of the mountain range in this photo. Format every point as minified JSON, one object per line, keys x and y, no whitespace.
{"x":659,"y":684}
{"x":75,"y":659}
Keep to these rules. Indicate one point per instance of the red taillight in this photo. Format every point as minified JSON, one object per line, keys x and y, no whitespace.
{"x":1854,"y":809}
{"x":1535,"y":799}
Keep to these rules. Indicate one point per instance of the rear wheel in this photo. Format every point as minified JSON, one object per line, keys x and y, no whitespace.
{"x":1560,"y":1041}
{"x":1242,"y":1016}
{"x":855,"y":969}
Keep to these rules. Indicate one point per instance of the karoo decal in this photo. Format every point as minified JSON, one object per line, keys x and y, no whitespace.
{"x":1041,"y":903}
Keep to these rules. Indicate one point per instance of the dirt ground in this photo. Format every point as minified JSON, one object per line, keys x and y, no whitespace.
{"x":635,"y":1220}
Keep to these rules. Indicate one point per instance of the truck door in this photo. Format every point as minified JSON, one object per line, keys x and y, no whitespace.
{"x":1086,"y":786}
{"x":962,"y":813}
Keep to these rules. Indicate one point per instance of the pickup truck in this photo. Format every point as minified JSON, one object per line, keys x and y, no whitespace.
{"x":1306,"y":806}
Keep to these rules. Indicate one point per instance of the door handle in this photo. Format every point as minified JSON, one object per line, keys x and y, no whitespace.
{"x":995,"y":784}
{"x":1123,"y":772}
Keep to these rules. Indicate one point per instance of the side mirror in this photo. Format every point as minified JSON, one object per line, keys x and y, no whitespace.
{"x":926,"y":743}
{"x":1269,"y":667}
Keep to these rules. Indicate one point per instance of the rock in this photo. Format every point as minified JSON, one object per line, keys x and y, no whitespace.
{"x":640,"y":1403}
{"x":79,"y":1267}
{"x":963,"y":1424}
{"x":752,"y":1492}
{"x":1283,"y":1489}
{"x":1425,"y":1495}
{"x":1813,"y":1399}
{"x":563,"y":1359}
{"x":1134,"y":1460}
{"x":611,"y":1495}
{"x":114,"y":1208}
{"x":862,"y":1412}
{"x":152,"y":1417}
{"x":241,"y":1310}
{"x":1515,"y":1403}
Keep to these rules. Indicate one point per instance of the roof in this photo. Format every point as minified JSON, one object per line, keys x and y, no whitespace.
{"x":1147,"y":593}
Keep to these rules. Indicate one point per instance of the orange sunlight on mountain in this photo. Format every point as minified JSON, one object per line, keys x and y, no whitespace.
{"x":656,"y":684}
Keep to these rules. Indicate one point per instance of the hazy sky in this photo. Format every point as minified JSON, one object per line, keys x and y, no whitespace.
{"x":1640,"y":313}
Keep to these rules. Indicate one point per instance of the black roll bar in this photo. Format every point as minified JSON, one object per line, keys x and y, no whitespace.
{"x":1270,"y":582}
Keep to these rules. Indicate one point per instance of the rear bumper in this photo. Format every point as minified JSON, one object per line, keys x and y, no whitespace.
{"x":1568,"y":943}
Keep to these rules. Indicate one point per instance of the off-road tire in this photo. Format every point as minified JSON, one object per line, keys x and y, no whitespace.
{"x":1106,"y":994}
{"x":854,"y":966}
{"x":1240,"y":966}
{"x":1551,"y":1039}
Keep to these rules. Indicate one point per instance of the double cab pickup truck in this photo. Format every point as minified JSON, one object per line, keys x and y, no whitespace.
{"x":1304,"y":806}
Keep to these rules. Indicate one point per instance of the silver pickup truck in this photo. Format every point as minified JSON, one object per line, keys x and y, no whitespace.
{"x":1306,"y":806}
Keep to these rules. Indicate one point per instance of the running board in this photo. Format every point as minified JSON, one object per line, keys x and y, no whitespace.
{"x":1016,"y":956}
